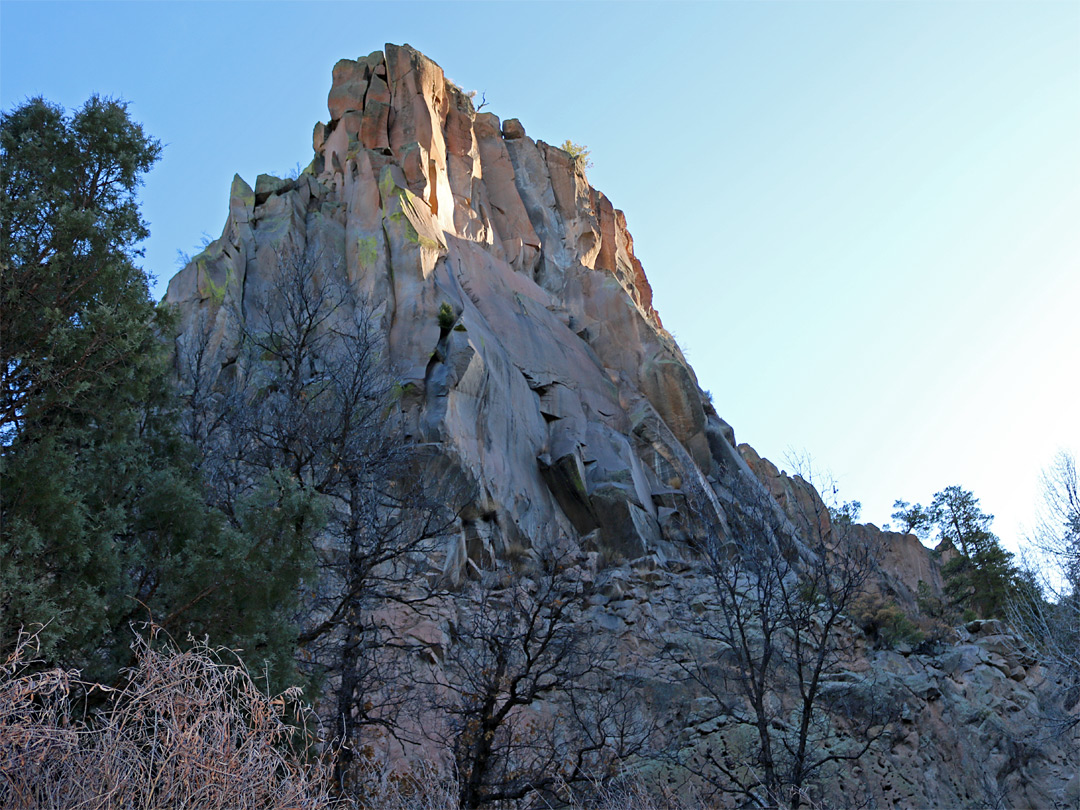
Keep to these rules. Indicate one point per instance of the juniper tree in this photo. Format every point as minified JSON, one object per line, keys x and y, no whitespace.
{"x":104,"y":520}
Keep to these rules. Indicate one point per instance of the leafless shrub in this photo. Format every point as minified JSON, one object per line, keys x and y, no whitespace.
{"x":774,"y":624}
{"x":193,"y":729}
{"x":424,"y":788}
{"x":1048,"y":615}
{"x":634,"y":794}
{"x":528,"y":707}
{"x":187,"y":729}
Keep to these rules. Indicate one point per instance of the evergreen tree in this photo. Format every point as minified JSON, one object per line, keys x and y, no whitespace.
{"x":103,"y":516}
{"x":979,"y":576}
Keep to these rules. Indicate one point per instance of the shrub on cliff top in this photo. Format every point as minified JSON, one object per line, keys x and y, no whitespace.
{"x":579,"y":152}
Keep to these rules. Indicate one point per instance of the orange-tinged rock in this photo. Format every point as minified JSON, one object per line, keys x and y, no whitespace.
{"x":348,"y":89}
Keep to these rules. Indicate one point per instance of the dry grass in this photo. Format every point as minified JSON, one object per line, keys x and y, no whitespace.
{"x":384,"y":788}
{"x":188,"y":730}
{"x":191,"y":729}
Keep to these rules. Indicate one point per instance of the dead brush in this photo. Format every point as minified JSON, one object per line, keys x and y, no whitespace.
{"x":188,"y":729}
{"x":422,"y":787}
{"x":191,"y":729}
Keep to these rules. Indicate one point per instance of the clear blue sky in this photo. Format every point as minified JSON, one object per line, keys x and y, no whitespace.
{"x":861,"y":219}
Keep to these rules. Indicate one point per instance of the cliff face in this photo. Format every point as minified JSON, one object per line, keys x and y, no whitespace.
{"x":556,"y":390}
{"x":522,"y":336}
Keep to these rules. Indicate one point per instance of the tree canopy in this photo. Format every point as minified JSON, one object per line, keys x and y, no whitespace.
{"x":75,"y":305}
{"x":104,"y":516}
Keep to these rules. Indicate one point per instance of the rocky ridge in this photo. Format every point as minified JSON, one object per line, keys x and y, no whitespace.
{"x":554,"y":390}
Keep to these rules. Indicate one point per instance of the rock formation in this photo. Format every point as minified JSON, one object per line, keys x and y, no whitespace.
{"x":520,"y":327}
{"x":557,"y":390}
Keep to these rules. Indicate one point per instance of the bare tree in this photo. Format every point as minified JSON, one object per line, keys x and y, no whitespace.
{"x":530,"y":701}
{"x":768,"y":635}
{"x":1047,"y":615}
{"x":1057,"y":535}
{"x":208,"y":388}
{"x":311,"y":396}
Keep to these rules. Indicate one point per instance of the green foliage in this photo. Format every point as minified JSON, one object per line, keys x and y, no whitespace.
{"x":103,"y":512}
{"x":846,"y":513}
{"x":579,"y":152}
{"x":446,"y":316}
{"x":896,"y":628}
{"x":75,"y":306}
{"x":980,"y":576}
{"x":932,"y":606}
{"x":913,"y":519}
{"x":885,"y":621}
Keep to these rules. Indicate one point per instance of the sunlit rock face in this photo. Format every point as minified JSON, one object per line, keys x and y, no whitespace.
{"x":556,"y":391}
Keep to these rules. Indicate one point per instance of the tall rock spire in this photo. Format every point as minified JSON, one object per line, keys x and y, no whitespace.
{"x":557,"y":392}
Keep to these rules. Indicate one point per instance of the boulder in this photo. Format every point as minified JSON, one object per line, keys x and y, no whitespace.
{"x":512,"y":129}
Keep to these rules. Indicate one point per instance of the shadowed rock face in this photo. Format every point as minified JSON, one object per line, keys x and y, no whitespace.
{"x":557,"y":391}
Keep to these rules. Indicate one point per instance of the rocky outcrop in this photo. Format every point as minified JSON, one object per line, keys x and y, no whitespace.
{"x":970,"y":728}
{"x":557,"y":392}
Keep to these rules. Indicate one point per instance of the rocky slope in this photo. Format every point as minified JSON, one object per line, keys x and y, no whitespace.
{"x":551,"y":386}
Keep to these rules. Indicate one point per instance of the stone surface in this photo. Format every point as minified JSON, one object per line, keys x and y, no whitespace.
{"x":562,"y":398}
{"x":349,"y":88}
{"x":512,"y":129}
{"x":904,"y":562}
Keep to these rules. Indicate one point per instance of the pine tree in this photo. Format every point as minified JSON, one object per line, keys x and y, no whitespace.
{"x":980,"y":576}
